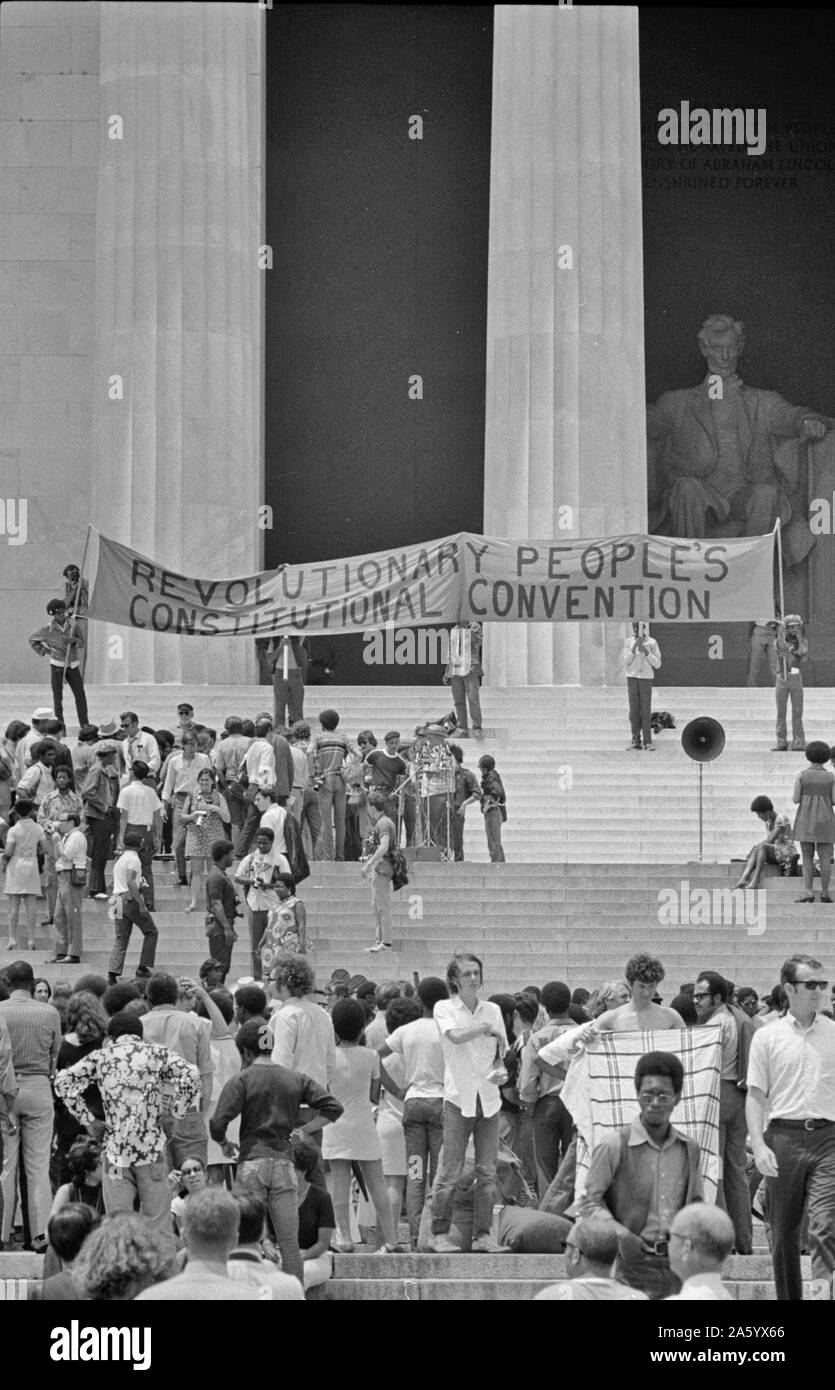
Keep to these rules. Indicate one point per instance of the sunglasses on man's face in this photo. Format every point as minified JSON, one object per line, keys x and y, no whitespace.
{"x":811,"y":984}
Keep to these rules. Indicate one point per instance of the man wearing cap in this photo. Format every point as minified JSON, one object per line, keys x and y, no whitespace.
{"x":98,"y":794}
{"x":436,"y":784}
{"x":75,"y":586}
{"x":40,"y":719}
{"x":62,"y":642}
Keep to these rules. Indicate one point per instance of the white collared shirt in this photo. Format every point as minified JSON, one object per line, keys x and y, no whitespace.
{"x":141,"y":747}
{"x":466,"y":1064}
{"x":702,"y":1288}
{"x":794,"y":1067}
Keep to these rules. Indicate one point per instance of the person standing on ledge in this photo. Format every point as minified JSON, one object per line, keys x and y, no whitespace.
{"x":288,"y":691}
{"x":62,"y":642}
{"x":642,"y":659}
{"x":791,"y":649}
{"x":464,"y":674}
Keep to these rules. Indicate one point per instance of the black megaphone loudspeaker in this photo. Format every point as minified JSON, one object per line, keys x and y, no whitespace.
{"x":703,"y":739}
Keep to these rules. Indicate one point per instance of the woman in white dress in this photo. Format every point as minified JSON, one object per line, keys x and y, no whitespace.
{"x":353,"y":1138}
{"x":23,"y":877}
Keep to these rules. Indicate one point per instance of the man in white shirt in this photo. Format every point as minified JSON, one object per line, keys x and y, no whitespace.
{"x":791,"y":1078}
{"x":642,"y":659}
{"x":261,"y":775}
{"x":138,"y":745}
{"x":184,"y":768}
{"x":70,"y":861}
{"x":273,"y":818}
{"x":701,"y":1239}
{"x":140,"y":809}
{"x":473,"y":1040}
{"x":131,"y":911}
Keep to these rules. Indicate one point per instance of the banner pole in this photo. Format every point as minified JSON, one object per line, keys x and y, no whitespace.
{"x":77,"y":597}
{"x":779,"y":531}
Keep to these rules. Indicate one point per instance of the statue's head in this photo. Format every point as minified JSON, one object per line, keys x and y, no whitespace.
{"x":721,"y":341}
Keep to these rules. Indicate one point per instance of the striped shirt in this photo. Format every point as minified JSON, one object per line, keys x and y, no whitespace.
{"x":329,"y":751}
{"x":35,"y":1032}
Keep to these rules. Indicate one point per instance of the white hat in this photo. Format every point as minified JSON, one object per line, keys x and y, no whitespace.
{"x":43,"y":712}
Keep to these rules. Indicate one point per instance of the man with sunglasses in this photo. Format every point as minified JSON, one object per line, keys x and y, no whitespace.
{"x":713,"y":1007}
{"x":791,"y":1075}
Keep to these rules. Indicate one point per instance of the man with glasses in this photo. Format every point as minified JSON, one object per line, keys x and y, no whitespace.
{"x":643,"y":1174}
{"x":712,"y":1007}
{"x":591,"y":1248}
{"x":791,"y":1076}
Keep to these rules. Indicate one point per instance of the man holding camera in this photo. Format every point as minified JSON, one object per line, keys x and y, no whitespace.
{"x":641,"y":659}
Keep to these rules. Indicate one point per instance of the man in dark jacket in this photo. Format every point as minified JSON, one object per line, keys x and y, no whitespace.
{"x":63,"y":643}
{"x":643,"y":1174}
{"x":711,"y":999}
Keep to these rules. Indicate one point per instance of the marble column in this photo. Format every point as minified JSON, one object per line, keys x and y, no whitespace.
{"x":565,"y":420}
{"x":178,"y":463}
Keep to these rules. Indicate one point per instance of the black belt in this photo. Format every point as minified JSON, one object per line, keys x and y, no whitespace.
{"x":655,"y":1247}
{"x":800,"y":1124}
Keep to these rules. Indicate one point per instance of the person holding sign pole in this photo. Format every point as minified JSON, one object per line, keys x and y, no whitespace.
{"x":642,"y":659}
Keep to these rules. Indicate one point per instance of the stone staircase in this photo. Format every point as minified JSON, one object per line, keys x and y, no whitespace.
{"x":497,"y":1278}
{"x":370,"y":1277}
{"x":529,"y":923}
{"x":575,"y":795}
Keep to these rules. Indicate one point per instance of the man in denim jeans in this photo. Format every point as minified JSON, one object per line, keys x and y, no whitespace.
{"x":269,"y":1098}
{"x":472,"y":1034}
{"x":419,"y":1046}
{"x":171,"y":1024}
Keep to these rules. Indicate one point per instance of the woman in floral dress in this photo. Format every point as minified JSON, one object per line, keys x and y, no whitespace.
{"x":286,"y":931}
{"x":204,"y":815}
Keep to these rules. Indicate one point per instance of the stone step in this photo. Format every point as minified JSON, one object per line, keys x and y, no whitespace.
{"x":410,"y":1290}
{"x":506,"y":1266}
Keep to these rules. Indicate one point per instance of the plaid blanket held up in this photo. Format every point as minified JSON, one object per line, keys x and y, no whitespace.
{"x":599,"y":1092}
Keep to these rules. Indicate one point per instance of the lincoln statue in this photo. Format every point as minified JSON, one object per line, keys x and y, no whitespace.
{"x":724,"y":457}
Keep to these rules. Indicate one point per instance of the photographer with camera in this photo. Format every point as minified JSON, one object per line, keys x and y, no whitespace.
{"x":642,"y":659}
{"x":791,"y":649}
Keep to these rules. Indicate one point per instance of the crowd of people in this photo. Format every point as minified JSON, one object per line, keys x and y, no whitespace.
{"x":139,"y":1121}
{"x":255,"y":799}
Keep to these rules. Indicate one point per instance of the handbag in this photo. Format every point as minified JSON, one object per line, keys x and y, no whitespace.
{"x":399,"y":869}
{"x":78,"y":877}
